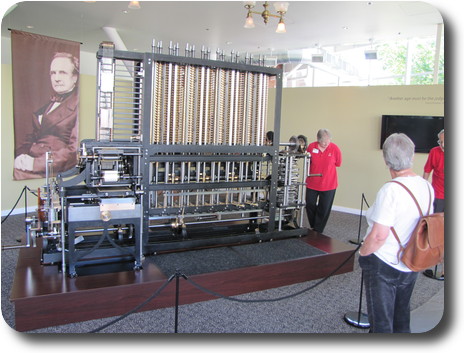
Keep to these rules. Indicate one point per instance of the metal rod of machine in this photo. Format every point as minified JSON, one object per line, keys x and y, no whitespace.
{"x":63,"y":239}
{"x":212,"y":221}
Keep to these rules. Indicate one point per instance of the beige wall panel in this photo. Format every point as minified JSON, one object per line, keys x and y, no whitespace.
{"x":353,"y":114}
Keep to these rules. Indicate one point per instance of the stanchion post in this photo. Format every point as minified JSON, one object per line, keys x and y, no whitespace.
{"x":176,"y":315}
{"x":358,"y":319}
{"x":358,"y":241}
{"x":177,"y":275}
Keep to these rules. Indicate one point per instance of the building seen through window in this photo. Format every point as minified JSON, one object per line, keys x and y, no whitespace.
{"x":414,"y":61}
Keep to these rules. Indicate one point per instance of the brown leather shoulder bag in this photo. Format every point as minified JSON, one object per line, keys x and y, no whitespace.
{"x":426,"y":245}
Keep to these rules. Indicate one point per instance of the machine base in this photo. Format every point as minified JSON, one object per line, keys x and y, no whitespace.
{"x":44,"y":297}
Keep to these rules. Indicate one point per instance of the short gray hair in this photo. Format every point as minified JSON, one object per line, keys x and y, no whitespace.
{"x":323,"y":132}
{"x":398,"y":152}
{"x":441,"y":133}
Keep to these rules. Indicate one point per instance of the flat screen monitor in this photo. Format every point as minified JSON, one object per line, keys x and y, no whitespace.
{"x":422,"y":130}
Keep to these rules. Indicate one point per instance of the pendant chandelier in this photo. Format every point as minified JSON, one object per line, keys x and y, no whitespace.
{"x":280,"y":7}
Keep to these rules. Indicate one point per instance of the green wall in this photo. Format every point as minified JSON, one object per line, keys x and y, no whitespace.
{"x":353,"y":115}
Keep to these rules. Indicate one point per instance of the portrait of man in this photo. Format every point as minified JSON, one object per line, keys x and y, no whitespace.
{"x":52,"y":126}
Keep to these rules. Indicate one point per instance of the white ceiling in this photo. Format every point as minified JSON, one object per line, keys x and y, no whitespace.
{"x":219,"y":24}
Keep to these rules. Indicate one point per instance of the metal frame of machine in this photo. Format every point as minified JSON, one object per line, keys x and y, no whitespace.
{"x":179,"y":162}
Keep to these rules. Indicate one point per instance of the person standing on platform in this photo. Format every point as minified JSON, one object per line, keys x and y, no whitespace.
{"x":326,"y":157}
{"x":389,"y":283}
{"x":435,"y":165}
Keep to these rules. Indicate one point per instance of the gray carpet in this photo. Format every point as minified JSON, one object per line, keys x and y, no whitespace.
{"x":319,"y":310}
{"x":232,"y":257}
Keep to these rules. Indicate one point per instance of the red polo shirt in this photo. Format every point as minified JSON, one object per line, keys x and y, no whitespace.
{"x":324,"y":163}
{"x":436,"y":163}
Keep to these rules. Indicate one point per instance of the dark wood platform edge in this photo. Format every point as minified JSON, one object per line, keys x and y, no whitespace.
{"x":69,"y":306}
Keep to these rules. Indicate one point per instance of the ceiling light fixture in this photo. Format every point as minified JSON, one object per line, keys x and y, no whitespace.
{"x":134,"y":5}
{"x":280,"y":7}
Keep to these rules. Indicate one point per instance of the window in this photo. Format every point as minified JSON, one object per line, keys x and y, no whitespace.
{"x":407,"y":62}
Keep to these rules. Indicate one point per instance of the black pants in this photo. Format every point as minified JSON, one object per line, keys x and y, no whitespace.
{"x":388,"y":295}
{"x":318,"y":207}
{"x":439,"y":205}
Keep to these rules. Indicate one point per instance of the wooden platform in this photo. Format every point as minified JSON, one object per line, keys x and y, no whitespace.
{"x":43,"y":297}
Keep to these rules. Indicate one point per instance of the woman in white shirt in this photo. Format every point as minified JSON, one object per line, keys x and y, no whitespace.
{"x":389,"y":283}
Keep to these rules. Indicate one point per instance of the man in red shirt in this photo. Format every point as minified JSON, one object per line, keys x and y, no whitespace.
{"x":322,"y":181}
{"x":436,"y":164}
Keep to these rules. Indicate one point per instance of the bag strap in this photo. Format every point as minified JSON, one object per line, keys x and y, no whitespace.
{"x":418,"y":207}
{"x":410,"y":193}
{"x":414,"y":198}
{"x":399,"y":243}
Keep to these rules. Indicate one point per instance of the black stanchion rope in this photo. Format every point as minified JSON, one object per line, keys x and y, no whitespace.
{"x":198,"y":286}
{"x":138,"y":307}
{"x":17,"y":201}
{"x":272,"y":299}
{"x":213,"y":293}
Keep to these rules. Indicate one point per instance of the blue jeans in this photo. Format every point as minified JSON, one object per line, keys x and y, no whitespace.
{"x":388,"y":295}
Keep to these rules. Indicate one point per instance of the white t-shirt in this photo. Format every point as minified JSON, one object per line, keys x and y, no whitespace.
{"x":394,"y":206}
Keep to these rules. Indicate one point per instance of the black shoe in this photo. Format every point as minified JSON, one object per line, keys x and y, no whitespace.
{"x":428,"y":273}
{"x":431,"y":274}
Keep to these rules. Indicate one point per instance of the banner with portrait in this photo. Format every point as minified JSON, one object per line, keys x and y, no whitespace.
{"x":45,"y":104}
